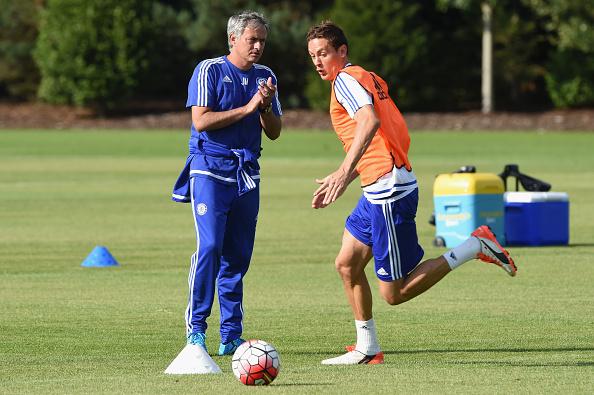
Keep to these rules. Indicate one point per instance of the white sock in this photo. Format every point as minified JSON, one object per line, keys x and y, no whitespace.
{"x":463,"y":253}
{"x":366,"y":337}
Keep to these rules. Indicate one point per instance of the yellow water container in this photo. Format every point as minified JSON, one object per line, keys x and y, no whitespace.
{"x":465,"y":201}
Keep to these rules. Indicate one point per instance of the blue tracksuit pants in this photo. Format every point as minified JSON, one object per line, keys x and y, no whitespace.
{"x":225,"y":226}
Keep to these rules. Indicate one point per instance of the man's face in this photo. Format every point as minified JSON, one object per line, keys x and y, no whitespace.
{"x":250,"y":45}
{"x":327,"y":60}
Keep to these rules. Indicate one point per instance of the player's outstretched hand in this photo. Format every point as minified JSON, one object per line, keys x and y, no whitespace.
{"x":332,"y":187}
{"x":319,"y":195}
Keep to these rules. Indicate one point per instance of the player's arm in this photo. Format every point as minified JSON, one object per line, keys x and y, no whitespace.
{"x":367,"y":125}
{"x":204,"y":118}
{"x":334,"y":185}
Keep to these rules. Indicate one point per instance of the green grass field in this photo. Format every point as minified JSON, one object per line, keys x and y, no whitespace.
{"x":68,"y":329}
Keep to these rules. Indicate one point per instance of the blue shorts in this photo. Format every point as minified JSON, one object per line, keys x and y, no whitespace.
{"x":391,"y":232}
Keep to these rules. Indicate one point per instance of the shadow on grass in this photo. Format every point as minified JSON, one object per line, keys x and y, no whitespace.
{"x":461,"y":350}
{"x":526,"y":364}
{"x":490,"y":350}
{"x":580,"y":245}
{"x":570,"y":245}
{"x":301,"y":384}
{"x":473,"y":350}
{"x":509,"y":350}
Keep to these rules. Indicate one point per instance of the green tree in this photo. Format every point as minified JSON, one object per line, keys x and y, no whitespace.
{"x":423,"y":53}
{"x":544,"y":51}
{"x":570,"y":69}
{"x":286,"y":51}
{"x":90,"y":53}
{"x":168,"y":55}
{"x":205,"y":26}
{"x":520,"y":50}
{"x":19,"y":76}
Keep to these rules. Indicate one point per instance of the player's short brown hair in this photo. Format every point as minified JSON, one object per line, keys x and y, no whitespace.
{"x":330,"y":31}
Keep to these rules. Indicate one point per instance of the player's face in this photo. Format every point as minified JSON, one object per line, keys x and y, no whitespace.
{"x":250,"y":45}
{"x":327,"y":60}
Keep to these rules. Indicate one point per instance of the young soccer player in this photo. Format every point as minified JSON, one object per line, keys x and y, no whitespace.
{"x":382,"y":225}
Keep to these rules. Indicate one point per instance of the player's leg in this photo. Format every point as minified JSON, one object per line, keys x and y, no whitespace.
{"x":409,"y":280}
{"x":237,"y":252}
{"x":423,"y":277}
{"x":481,"y":245}
{"x":209,"y":207}
{"x":350,"y":263}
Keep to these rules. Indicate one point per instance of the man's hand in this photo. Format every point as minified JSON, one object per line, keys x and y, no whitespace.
{"x":254,"y":103}
{"x":267,"y":90}
{"x":319,"y":196}
{"x":331,"y":188}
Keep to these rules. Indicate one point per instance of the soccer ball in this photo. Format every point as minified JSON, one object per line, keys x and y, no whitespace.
{"x":255,"y":362}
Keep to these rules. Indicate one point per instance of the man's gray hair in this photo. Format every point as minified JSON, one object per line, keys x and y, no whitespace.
{"x":238,"y":22}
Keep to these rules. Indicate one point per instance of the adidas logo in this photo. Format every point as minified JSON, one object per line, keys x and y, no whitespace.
{"x":227,"y":79}
{"x":382,"y":272}
{"x":453,"y":256}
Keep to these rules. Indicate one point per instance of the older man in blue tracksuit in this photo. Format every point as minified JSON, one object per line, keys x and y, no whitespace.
{"x":232,"y":99}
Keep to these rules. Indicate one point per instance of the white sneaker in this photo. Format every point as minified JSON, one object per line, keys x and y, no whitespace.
{"x":355,"y":358}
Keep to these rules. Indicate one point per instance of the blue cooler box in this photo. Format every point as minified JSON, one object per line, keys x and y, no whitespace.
{"x":536,"y":218}
{"x":465,"y":201}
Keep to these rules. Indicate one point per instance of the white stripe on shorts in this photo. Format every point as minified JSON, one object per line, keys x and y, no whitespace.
{"x":394,"y":251}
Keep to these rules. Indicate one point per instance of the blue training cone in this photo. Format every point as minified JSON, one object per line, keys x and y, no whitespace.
{"x":100,"y":257}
